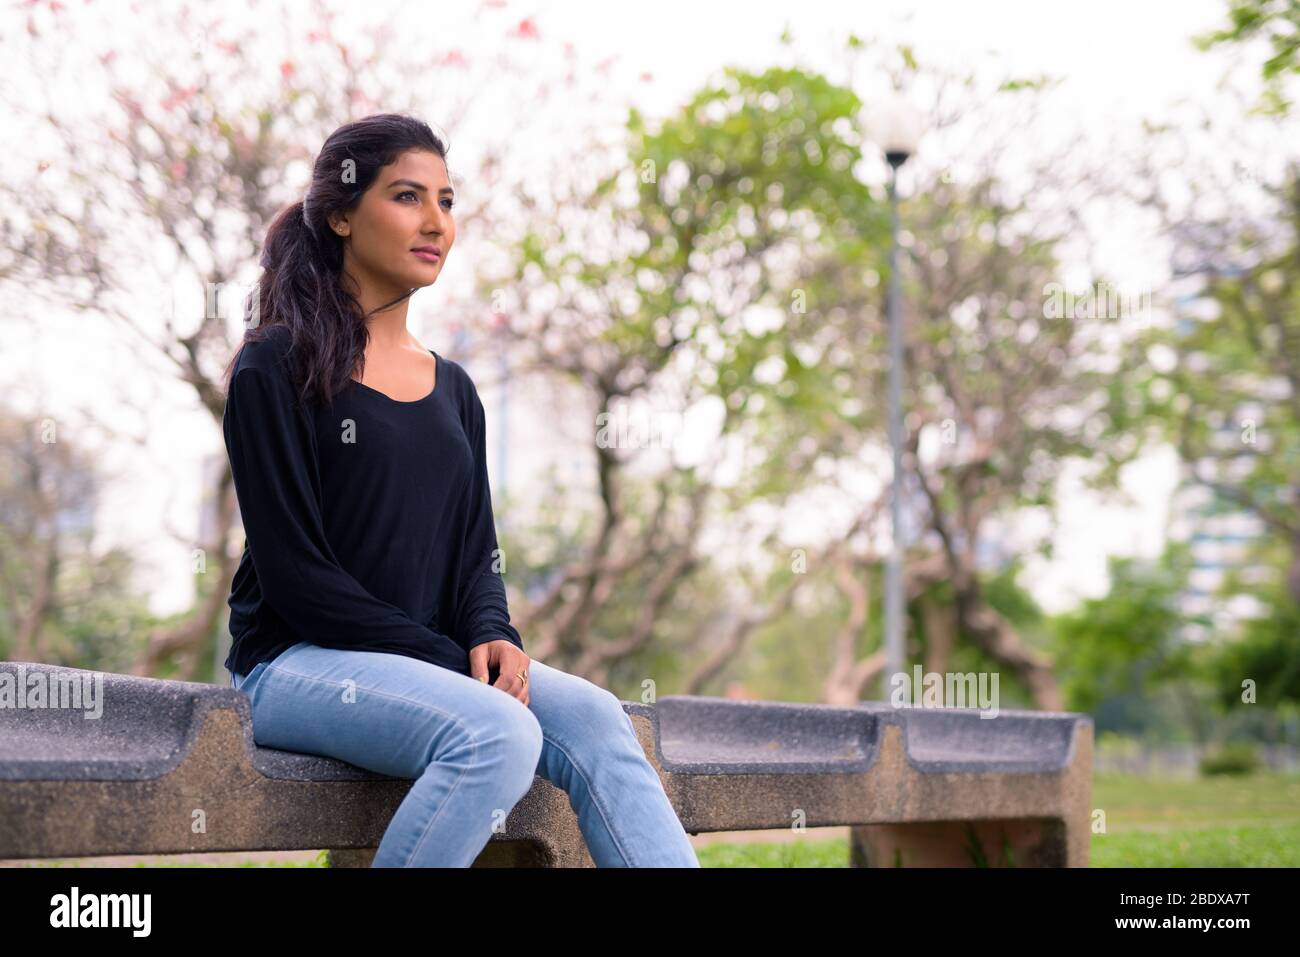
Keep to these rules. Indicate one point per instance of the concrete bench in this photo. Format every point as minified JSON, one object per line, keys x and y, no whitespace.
{"x":170,"y":767}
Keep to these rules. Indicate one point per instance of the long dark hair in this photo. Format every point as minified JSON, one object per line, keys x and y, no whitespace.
{"x":302,"y":258}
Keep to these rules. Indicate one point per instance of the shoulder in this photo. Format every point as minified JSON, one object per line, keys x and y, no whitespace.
{"x":265,"y":348}
{"x":460,"y":385}
{"x":261,"y":374}
{"x":458,"y":381}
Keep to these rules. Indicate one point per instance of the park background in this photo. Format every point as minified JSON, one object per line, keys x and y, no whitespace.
{"x":678,"y":217}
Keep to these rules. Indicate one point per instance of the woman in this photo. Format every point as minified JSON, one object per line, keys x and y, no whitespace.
{"x":368,"y":615}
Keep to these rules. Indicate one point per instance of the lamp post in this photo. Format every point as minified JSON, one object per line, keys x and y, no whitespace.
{"x":896,"y":133}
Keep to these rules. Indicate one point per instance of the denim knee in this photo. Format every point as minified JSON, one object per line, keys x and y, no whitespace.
{"x":526,"y":733}
{"x":609,"y":707}
{"x":519,"y":739}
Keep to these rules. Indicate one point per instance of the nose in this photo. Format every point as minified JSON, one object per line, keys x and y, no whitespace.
{"x":436,"y":225}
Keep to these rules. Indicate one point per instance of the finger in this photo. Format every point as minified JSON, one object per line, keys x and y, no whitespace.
{"x":505,"y":681}
{"x":511,"y":684}
{"x":519,"y":663}
{"x":478,"y":663}
{"x":525,"y":665}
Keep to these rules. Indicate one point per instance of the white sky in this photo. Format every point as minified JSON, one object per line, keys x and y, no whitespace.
{"x":1120,"y":61}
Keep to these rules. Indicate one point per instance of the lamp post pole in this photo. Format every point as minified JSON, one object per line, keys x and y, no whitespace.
{"x":894,"y":650}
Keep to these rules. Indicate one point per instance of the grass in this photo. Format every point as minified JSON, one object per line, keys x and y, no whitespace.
{"x":806,"y":852}
{"x":1267,"y":846}
{"x":1247,"y":821}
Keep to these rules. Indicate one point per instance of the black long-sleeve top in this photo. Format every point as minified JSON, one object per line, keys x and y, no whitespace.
{"x":368,"y":521}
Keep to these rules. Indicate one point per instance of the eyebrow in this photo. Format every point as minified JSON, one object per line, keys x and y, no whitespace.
{"x":420,"y":186}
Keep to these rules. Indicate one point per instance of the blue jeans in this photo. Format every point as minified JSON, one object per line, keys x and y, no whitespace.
{"x":472,"y":751}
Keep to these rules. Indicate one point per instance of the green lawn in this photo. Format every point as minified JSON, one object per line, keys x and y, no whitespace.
{"x":807,"y":852}
{"x":1250,"y":821}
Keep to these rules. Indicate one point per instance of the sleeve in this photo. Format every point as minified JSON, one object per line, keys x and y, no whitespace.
{"x":482,"y":614}
{"x":273,"y":462}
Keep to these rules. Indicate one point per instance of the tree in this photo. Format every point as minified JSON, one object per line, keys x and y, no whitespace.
{"x":55,"y":592}
{"x":685,"y":274}
{"x":1224,"y":389}
{"x":1009,"y":370}
{"x":1267,"y":655}
{"x":734,"y":259}
{"x":1131,"y":640}
{"x":1277,"y":23}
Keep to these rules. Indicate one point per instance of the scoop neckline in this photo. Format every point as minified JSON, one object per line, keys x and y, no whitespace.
{"x":437,"y":381}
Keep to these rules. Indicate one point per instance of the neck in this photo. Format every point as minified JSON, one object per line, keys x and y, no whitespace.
{"x":387,"y":326}
{"x":388,"y":329}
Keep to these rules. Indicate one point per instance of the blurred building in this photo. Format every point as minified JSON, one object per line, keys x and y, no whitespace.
{"x":1220,"y":531}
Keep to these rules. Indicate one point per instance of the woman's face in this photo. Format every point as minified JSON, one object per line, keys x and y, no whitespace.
{"x":407,"y":207}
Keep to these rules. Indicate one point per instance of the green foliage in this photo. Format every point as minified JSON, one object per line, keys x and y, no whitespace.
{"x":1267,"y":654}
{"x":979,"y":856}
{"x":781,"y":662}
{"x":748,"y":197}
{"x":1210,"y":375}
{"x":1222,"y":389}
{"x":1236,"y":757}
{"x":1277,"y":22}
{"x":745,"y":201}
{"x":1005,"y":596}
{"x":1128,"y":641}
{"x":1002,"y":591}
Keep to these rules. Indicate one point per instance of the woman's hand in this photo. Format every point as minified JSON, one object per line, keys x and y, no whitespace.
{"x":508,"y":661}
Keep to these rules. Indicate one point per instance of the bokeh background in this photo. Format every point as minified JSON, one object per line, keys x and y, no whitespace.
{"x":670,"y":287}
